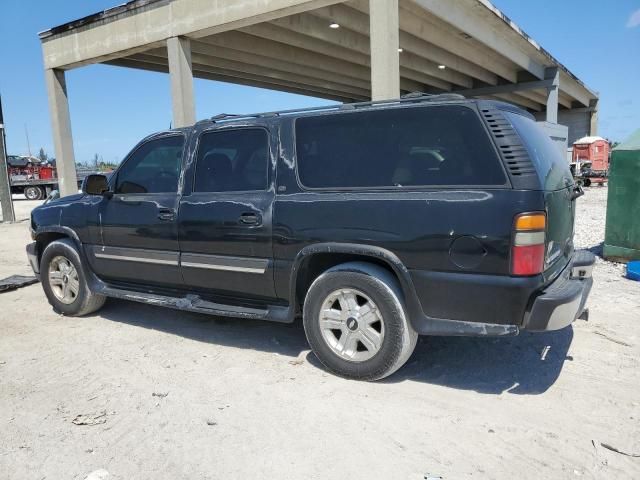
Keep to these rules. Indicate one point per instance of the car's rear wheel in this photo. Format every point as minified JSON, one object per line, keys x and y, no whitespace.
{"x":64,"y":282}
{"x":355,"y":322}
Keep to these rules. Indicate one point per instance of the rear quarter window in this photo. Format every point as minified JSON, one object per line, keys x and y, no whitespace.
{"x":403,"y":147}
{"x":551,"y":166}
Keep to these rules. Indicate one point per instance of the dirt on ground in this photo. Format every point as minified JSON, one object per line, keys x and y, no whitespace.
{"x":139,"y":392}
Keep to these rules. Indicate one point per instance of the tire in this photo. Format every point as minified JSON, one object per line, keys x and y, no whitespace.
{"x":33,"y":193}
{"x":587,"y":182}
{"x":377,"y":338}
{"x":63,"y":280}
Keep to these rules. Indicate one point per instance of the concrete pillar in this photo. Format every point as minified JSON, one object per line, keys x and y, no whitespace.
{"x":593,"y":127}
{"x":552,"y":94}
{"x":179,"y":52}
{"x":385,"y":58}
{"x":61,"y":130}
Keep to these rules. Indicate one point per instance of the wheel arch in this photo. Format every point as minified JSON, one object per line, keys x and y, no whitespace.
{"x":313,"y":260}
{"x":44,"y":236}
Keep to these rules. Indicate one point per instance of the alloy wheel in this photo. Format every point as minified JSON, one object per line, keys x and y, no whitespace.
{"x":63,"y":279}
{"x":351,"y":325}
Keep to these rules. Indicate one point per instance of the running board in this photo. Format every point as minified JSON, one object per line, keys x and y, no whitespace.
{"x":193,"y":303}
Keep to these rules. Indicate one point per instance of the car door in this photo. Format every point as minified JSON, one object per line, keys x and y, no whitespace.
{"x":137,"y":236}
{"x":224,"y":222}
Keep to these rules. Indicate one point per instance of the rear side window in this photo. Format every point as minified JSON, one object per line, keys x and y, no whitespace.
{"x":552,"y":167}
{"x":402,"y":147}
{"x":232,"y":161}
{"x":152,"y":168}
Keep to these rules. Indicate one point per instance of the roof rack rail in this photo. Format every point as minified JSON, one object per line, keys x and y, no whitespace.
{"x":414,"y":97}
{"x":221,"y":117}
{"x":433,"y":97}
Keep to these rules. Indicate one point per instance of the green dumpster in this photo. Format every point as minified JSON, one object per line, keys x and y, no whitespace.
{"x":622,"y":237}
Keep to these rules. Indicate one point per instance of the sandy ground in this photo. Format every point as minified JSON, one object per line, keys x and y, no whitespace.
{"x":184,"y":396}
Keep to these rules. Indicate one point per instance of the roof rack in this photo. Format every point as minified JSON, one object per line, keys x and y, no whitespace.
{"x":414,"y":97}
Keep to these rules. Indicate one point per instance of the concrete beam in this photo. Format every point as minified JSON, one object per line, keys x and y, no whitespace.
{"x":289,"y":88}
{"x":553,"y":75}
{"x":358,"y":21}
{"x":505,"y":88}
{"x":519,"y":100}
{"x":219,"y":60}
{"x":300,"y":39}
{"x":272,"y":50}
{"x":564,"y":99}
{"x":61,"y":130}
{"x":540,"y":96}
{"x":533,"y":96}
{"x":243,"y":74}
{"x":279,"y":62}
{"x":570,"y":86}
{"x":314,"y":28}
{"x":182,"y":99}
{"x":417,"y":22}
{"x":476,"y":20}
{"x":151,"y":24}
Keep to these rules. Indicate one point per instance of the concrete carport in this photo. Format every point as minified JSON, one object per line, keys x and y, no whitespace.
{"x":344,"y":51}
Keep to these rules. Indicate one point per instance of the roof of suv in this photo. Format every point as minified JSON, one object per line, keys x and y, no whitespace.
{"x":409,"y":99}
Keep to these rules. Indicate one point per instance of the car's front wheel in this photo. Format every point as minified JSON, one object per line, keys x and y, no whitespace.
{"x":355,"y":322}
{"x":63,"y":280}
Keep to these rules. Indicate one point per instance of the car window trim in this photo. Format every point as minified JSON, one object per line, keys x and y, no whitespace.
{"x":157,"y":136}
{"x":410,"y":188}
{"x":224,"y":129}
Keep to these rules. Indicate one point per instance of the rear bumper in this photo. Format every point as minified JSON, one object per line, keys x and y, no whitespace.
{"x":32,"y":255}
{"x":561,"y":302}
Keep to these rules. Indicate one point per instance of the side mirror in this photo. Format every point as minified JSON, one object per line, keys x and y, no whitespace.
{"x":95,"y":185}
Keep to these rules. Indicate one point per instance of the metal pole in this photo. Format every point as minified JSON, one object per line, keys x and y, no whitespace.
{"x":8,"y":215}
{"x":26,"y":132}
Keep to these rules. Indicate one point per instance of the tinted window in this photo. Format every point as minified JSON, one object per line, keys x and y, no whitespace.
{"x":402,"y":147}
{"x":152,"y":168}
{"x":551,"y":165}
{"x":232,"y":161}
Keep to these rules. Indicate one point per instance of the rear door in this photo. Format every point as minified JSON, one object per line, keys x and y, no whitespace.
{"x":557,"y":182}
{"x":225,"y":215}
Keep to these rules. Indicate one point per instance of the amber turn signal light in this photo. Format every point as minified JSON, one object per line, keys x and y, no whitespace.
{"x":534,"y":221}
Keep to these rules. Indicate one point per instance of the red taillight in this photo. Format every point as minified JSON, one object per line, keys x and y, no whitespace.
{"x":527,"y":251}
{"x":527,"y":260}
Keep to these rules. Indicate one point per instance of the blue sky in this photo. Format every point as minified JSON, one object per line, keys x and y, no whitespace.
{"x":113,"y":108}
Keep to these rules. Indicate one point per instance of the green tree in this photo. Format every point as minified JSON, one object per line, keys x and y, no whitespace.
{"x":42,"y":155}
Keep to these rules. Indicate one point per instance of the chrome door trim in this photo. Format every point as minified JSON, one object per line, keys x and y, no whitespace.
{"x":224,"y":262}
{"x":138,"y":255}
{"x":188,"y":260}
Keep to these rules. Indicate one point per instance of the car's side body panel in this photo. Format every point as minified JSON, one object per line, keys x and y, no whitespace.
{"x":448,"y":245}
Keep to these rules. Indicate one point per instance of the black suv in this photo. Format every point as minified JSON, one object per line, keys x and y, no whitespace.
{"x":376,"y":222}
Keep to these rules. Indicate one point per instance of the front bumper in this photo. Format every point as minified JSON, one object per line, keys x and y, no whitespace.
{"x":32,"y":255}
{"x":561,"y":302}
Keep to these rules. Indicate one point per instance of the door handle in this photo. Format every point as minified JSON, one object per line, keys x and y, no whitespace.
{"x":128,"y":200}
{"x":250,"y":219}
{"x":166,"y":214}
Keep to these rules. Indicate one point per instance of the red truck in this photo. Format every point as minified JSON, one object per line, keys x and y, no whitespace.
{"x":590,"y":160}
{"x":33,"y":178}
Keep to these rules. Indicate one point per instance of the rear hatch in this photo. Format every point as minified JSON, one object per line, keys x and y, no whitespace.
{"x":558,"y":189}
